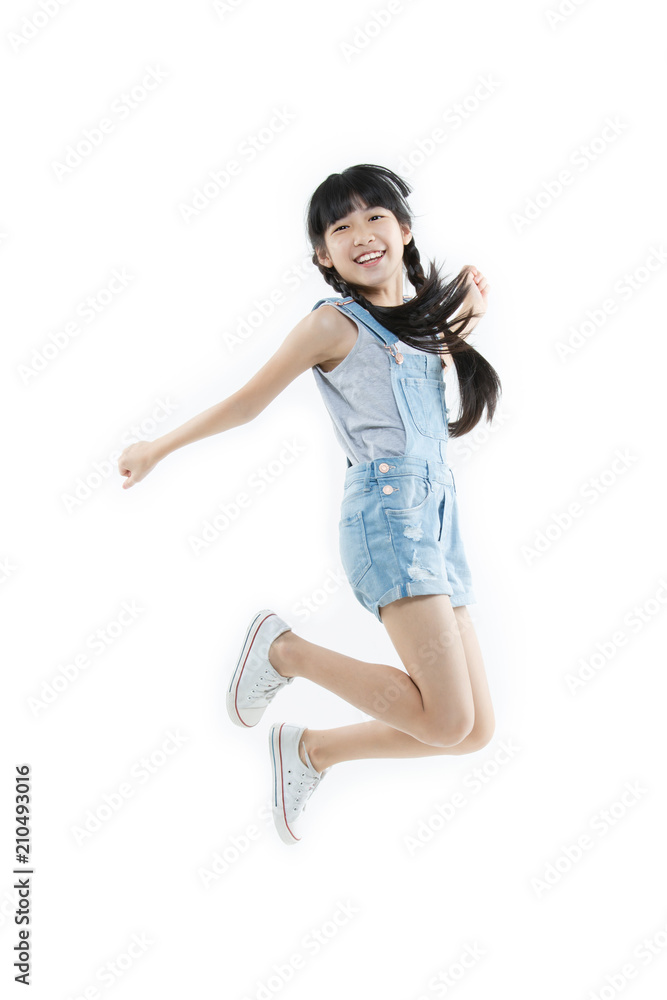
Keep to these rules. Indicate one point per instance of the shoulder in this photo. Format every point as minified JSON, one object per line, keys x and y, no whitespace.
{"x":325,"y":311}
{"x":328,"y":320}
{"x":334,"y":332}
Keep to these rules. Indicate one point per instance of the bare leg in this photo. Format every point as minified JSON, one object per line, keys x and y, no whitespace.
{"x":443,"y":703}
{"x":366,"y":740}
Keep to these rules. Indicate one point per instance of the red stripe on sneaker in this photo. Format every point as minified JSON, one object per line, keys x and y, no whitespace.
{"x":282,"y":788}
{"x":238,"y":680}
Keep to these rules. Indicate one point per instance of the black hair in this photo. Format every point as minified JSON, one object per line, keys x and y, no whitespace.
{"x":423,"y":322}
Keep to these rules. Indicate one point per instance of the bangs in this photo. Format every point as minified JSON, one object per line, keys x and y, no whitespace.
{"x":341,"y":194}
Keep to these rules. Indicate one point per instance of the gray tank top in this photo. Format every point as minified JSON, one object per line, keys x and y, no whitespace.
{"x":360,"y":400}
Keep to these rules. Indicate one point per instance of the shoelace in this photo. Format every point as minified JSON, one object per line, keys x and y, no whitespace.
{"x":310,"y":787}
{"x":267,"y":683}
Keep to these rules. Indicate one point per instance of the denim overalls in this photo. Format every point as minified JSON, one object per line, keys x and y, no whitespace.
{"x":399,"y":526}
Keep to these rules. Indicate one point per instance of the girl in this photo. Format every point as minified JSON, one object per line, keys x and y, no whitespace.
{"x":377,"y":357}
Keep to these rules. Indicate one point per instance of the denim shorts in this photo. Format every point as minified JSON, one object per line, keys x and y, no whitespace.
{"x":399,"y":532}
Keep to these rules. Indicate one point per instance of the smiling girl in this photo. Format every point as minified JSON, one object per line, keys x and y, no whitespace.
{"x":379,"y":359}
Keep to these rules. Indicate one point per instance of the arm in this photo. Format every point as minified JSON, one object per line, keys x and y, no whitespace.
{"x":310,"y":342}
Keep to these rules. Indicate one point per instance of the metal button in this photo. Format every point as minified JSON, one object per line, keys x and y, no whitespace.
{"x":387,"y":489}
{"x":383,"y":467}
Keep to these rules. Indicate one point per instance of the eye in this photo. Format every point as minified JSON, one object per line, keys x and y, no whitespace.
{"x":343,"y":225}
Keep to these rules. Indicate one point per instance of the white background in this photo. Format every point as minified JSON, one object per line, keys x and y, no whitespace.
{"x":357,"y":94}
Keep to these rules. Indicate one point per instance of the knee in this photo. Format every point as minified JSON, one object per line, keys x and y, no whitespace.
{"x":437,"y":733}
{"x":476,"y":734}
{"x":479,"y":736}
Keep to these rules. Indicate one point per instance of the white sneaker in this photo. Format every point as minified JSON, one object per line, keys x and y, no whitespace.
{"x":254,"y":681}
{"x":293,"y":781}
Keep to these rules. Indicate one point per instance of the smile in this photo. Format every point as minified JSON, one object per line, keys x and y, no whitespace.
{"x":370,"y":258}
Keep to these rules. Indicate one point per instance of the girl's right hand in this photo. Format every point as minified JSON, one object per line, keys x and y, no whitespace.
{"x":137,"y":461}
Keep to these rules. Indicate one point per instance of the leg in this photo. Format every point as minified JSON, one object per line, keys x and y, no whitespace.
{"x":433,"y":702}
{"x":367,"y":740}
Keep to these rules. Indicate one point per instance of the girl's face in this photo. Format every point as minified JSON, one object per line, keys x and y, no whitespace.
{"x":368,"y":230}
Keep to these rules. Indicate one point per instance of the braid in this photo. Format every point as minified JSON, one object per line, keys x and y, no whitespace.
{"x":331,"y":276}
{"x":416,"y":275}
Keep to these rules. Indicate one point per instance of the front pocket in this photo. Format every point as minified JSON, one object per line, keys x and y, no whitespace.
{"x":352,"y":491}
{"x":353,"y":546}
{"x":426,"y":401}
{"x":409,"y":495}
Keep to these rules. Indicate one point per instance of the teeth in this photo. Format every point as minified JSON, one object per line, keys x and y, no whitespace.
{"x":369,"y":256}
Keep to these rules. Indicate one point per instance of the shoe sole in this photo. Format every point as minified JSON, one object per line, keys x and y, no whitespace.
{"x":277,"y":795}
{"x":232,"y":709}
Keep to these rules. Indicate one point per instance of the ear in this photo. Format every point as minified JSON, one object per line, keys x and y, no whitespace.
{"x":324,"y":259}
{"x":407,"y":235}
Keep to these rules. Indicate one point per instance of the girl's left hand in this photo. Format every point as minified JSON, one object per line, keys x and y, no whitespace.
{"x":478,"y":290}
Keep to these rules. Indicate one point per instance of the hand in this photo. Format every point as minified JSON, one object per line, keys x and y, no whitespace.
{"x":478,"y":290}
{"x":137,"y":461}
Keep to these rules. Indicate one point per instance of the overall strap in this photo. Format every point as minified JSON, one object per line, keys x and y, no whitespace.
{"x":321,"y":301}
{"x":386,"y":336}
